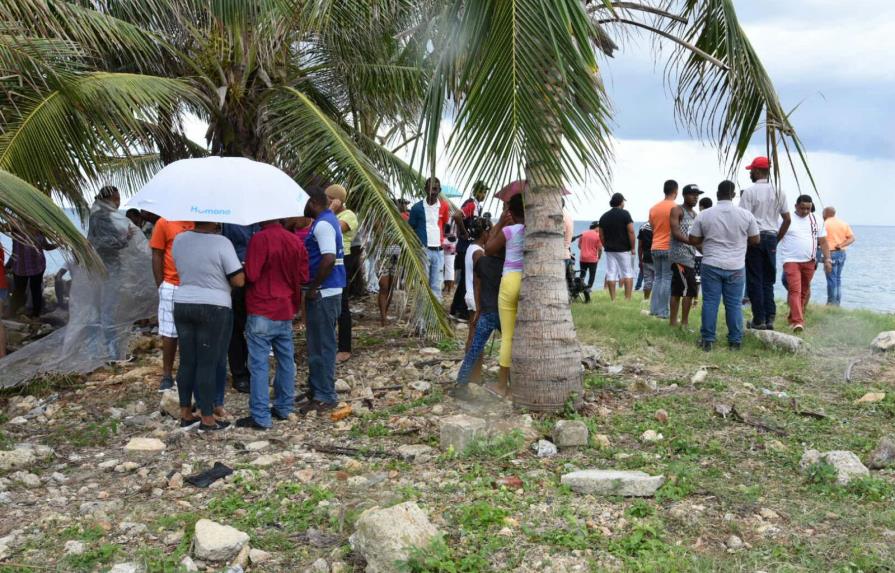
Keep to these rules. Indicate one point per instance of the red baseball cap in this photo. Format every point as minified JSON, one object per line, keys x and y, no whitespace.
{"x":759,"y":163}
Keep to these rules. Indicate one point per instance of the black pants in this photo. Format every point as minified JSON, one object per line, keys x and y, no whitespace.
{"x":458,"y":305}
{"x":21,"y":283}
{"x":203,"y":332}
{"x":761,"y":274}
{"x":238,"y":352}
{"x":345,"y":314}
{"x":357,"y":281}
{"x":589,"y":268}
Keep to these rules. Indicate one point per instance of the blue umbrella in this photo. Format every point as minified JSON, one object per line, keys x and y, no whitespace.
{"x":450,"y":192}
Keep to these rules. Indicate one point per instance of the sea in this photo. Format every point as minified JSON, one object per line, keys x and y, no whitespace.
{"x":864,"y":280}
{"x":864,"y":284}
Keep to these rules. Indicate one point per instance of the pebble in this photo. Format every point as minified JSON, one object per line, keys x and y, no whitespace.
{"x":126,"y":467}
{"x":733,"y":543}
{"x":650,"y":436}
{"x":661,"y":416}
{"x":73,"y":547}
{"x":27,"y":479}
{"x":602,"y":441}
{"x":257,"y":446}
{"x":257,"y":556}
{"x":175,"y":481}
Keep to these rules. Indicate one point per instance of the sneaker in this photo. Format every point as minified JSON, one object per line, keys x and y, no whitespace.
{"x":249,"y":422}
{"x":219,"y":426}
{"x":190,"y":424}
{"x":305,"y":398}
{"x":706,"y":346}
{"x":734,"y":346}
{"x":276,"y":414}
{"x":318,"y":406}
{"x":242,"y":386}
{"x":756,"y":326}
{"x":167,"y":383}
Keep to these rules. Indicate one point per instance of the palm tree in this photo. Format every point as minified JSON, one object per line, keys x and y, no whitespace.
{"x":320,"y":89}
{"x":523,"y":80}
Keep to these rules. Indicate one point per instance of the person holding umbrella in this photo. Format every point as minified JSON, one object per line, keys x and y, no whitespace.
{"x":323,"y":297}
{"x":208,"y":268}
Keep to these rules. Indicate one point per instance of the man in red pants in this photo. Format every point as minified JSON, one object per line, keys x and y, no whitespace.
{"x":798,"y":249}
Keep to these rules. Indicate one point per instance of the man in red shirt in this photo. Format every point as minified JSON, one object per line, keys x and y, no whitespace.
{"x":276,"y":268}
{"x":591,"y":249}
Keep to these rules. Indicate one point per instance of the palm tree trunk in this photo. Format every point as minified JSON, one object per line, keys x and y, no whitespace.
{"x":546,"y":372}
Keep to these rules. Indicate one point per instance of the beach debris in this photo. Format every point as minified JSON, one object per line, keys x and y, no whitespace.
{"x":384,"y":537}
{"x":209,"y":476}
{"x":651,"y":436}
{"x":884,"y":454}
{"x":217,"y":542}
{"x":457,"y":432}
{"x":613,"y":482}
{"x":884,"y":341}
{"x":846,"y":463}
{"x":780,"y":341}
{"x":871,"y":398}
{"x":545,"y":449}
{"x":570,"y":434}
{"x":699,"y":377}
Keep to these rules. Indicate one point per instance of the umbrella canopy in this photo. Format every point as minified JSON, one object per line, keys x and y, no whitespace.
{"x":517,"y":187}
{"x":222,"y":190}
{"x":450,"y":191}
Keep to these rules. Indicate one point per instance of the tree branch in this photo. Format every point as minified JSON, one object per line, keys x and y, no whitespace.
{"x":640,"y":8}
{"x":708,"y":57}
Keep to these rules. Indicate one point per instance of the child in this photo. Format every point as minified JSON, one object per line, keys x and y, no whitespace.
{"x":479,"y":230}
{"x":488,"y":271}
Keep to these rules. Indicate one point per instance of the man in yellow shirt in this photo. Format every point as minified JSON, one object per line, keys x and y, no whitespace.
{"x":839,"y":238}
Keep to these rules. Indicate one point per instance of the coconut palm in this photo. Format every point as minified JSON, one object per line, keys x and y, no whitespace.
{"x":321,"y":89}
{"x":520,"y":79}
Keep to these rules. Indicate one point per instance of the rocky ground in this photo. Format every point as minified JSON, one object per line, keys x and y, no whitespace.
{"x":678,"y":461}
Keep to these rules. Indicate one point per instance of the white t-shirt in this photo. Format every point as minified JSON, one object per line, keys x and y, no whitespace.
{"x":766,"y":204}
{"x":468,"y":276}
{"x":799,"y":244}
{"x":433,"y":233}
{"x":326,"y":240}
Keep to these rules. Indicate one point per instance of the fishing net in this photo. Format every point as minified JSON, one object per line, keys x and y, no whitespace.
{"x":102,"y":309}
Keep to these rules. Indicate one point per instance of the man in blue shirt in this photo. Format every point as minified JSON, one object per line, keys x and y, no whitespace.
{"x":238,"y":352}
{"x":324,"y":301}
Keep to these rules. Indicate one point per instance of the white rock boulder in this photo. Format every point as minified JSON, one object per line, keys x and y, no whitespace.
{"x":848,"y":466}
{"x":216,"y":542}
{"x":884,"y":341}
{"x":613,"y":482}
{"x":385,"y":536}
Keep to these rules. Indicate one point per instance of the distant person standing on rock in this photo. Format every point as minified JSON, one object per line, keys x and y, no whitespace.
{"x":798,"y":249}
{"x":683,"y":258}
{"x":768,"y":206}
{"x":660,"y":221}
{"x":839,"y":238}
{"x":617,"y":235}
{"x":723,"y":233}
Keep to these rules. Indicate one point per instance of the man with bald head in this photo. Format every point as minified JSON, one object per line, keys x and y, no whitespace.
{"x":839,"y":238}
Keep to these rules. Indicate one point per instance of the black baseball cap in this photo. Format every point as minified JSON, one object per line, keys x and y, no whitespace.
{"x":692,"y":189}
{"x":595,"y":224}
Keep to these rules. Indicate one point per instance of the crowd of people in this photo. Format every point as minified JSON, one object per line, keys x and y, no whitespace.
{"x":729,"y":252}
{"x":228,"y":294}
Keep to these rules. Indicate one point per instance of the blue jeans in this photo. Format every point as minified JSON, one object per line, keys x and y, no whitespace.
{"x":488,"y":322}
{"x":834,"y":279}
{"x":718,"y":283}
{"x":323,"y":313}
{"x":660,"y":299}
{"x":204,"y":334}
{"x":262,"y":335}
{"x":435,"y":268}
{"x":761,"y":274}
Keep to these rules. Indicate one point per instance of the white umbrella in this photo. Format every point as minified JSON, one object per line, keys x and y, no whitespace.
{"x":223,"y":190}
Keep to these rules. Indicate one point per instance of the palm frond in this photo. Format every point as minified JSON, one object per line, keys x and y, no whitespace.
{"x":22,"y":206}
{"x":523,"y":78}
{"x":727,"y":104}
{"x":308,"y":144}
{"x":57,"y":141}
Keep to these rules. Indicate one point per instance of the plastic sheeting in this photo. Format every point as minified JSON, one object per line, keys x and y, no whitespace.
{"x":102,"y":309}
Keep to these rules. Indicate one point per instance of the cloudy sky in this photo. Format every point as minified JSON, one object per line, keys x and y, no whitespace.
{"x":831,"y":56}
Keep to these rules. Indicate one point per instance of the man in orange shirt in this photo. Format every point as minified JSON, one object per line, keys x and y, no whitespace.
{"x":839,"y":238}
{"x":167,"y":281}
{"x":591,"y":248}
{"x":660,"y":220}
